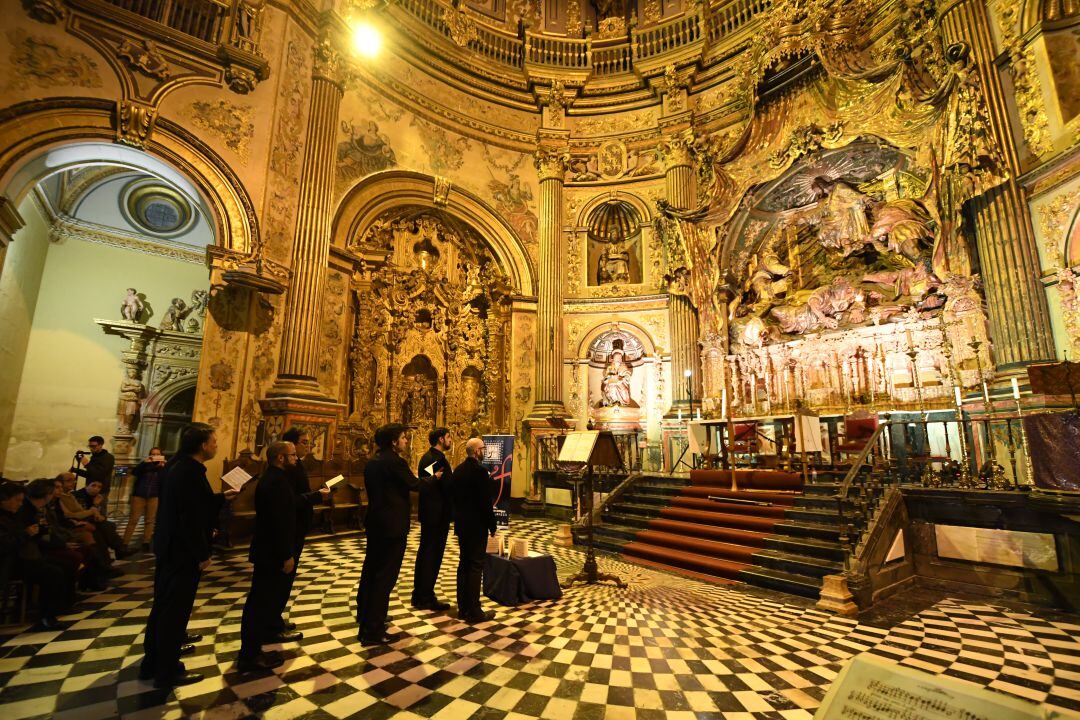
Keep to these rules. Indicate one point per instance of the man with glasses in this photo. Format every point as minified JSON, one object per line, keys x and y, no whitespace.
{"x":98,"y":465}
{"x":273,"y":555}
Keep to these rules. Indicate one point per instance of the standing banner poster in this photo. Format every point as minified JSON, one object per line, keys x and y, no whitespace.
{"x":499,"y":460}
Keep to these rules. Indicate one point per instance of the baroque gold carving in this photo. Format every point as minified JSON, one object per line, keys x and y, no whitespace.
{"x":134,"y":122}
{"x":1026,"y":84}
{"x":676,"y":150}
{"x":145,"y":57}
{"x":460,"y":23}
{"x":46,"y":11}
{"x":619,"y":124}
{"x":1054,"y":222}
{"x":44,"y":64}
{"x":551,"y":163}
{"x":232,"y":123}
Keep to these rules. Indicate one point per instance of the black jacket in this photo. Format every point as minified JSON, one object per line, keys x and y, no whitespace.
{"x":14,"y":542}
{"x":305,"y":497}
{"x":147,"y":479}
{"x":100,"y":467}
{"x":473,"y":510}
{"x":437,"y":497}
{"x":187,"y":513}
{"x":388,"y":480}
{"x":276,"y":530}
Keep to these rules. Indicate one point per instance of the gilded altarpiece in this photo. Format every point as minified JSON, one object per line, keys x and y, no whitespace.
{"x":829,"y":259}
{"x":429,"y":341}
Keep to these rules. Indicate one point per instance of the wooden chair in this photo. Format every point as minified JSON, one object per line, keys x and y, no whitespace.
{"x":237,"y":521}
{"x":858,"y":429}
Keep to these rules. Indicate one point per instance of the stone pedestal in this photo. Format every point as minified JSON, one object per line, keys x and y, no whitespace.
{"x":318,"y":417}
{"x":836,"y":598}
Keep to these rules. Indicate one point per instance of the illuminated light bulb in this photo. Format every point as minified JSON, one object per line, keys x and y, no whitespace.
{"x":366,"y":39}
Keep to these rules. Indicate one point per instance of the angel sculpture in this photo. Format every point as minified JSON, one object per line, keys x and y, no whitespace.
{"x":132,"y":307}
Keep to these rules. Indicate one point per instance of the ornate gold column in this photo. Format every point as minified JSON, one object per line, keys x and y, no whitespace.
{"x":296,"y":397}
{"x":298,"y":361}
{"x":551,"y":168}
{"x":1019,"y":319}
{"x":676,"y":152}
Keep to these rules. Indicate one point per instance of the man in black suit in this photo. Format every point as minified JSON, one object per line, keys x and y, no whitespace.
{"x":474,"y":519}
{"x":388,"y":480}
{"x":273,"y":555}
{"x":436,"y":510}
{"x":187,"y":513}
{"x":99,"y":465}
{"x":305,"y":512}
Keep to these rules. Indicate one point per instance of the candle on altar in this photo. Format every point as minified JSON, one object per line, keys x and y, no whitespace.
{"x":959,"y":400}
{"x":697,"y":414}
{"x":723,"y":403}
{"x":1016,"y":389}
{"x":680,"y":414}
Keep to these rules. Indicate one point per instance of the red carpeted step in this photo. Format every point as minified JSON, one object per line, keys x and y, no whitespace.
{"x":748,"y":522}
{"x":777,"y":498}
{"x":710,"y":532}
{"x":757,"y":479}
{"x":691,"y":561}
{"x":685,"y":543}
{"x":732,"y":508}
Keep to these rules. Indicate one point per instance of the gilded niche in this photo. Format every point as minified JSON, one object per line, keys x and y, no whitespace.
{"x":432,"y":320}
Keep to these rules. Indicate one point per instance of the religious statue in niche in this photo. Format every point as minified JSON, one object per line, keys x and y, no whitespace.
{"x":615,"y":385}
{"x":131,"y":309}
{"x":132,"y":391}
{"x":613,"y":265}
{"x":419,"y":406}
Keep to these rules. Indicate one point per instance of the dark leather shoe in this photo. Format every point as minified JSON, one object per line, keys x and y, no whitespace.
{"x":436,"y":605}
{"x":477,"y":618}
{"x":289,"y":626}
{"x":50,"y":624}
{"x":192,"y":638}
{"x":286,"y":636}
{"x":187,"y":649}
{"x":384,"y":639}
{"x":184,"y":678}
{"x":261,"y":663}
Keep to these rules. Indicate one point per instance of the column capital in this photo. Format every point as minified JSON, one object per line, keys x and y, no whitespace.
{"x":330,"y":63}
{"x":551,"y":163}
{"x":677,"y":150}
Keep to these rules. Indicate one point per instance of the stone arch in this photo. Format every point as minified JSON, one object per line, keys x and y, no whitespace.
{"x":602,"y":326}
{"x":153,"y":415}
{"x":383,"y":191}
{"x":41,"y":136}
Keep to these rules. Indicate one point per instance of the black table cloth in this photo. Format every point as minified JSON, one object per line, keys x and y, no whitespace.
{"x":517,"y":581}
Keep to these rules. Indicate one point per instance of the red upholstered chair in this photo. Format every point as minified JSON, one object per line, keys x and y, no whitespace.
{"x":746,"y":438}
{"x":858,"y":429}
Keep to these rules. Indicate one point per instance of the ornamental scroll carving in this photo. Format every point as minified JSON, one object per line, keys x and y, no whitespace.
{"x":429,"y":341}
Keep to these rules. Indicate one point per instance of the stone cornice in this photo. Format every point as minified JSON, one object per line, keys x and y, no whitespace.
{"x":65,"y":228}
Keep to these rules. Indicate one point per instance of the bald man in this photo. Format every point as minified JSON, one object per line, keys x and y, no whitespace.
{"x":474,"y":519}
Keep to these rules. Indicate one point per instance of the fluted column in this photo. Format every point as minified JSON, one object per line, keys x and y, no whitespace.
{"x":298,"y":360}
{"x":551,"y":169}
{"x":1008,"y":255}
{"x":680,"y":184}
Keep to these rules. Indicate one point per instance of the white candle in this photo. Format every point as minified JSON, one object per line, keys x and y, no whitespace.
{"x":680,"y":414}
{"x":697,"y":414}
{"x":959,"y":400}
{"x":1016,"y":389}
{"x":723,"y":403}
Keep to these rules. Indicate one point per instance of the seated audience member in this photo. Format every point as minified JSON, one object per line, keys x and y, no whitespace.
{"x":18,"y":542}
{"x":78,"y":535}
{"x":35,"y":511}
{"x":144,"y":497}
{"x":98,"y":465}
{"x":74,"y":510}
{"x":91,"y":497}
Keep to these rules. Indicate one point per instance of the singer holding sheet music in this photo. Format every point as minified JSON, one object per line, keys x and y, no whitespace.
{"x":388,"y":480}
{"x":187,"y":512}
{"x":436,"y":511}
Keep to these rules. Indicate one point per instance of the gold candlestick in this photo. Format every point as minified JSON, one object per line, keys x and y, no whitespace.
{"x":1029,"y":471}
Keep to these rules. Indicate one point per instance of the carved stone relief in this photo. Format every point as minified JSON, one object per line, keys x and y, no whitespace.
{"x":44,"y":64}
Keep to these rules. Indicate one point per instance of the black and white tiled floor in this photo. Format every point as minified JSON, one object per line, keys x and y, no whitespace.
{"x":666,"y":647}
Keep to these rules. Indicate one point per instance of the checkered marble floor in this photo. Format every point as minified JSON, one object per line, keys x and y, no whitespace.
{"x":665,"y":647}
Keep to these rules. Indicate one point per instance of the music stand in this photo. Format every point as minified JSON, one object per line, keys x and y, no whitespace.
{"x":580,"y":452}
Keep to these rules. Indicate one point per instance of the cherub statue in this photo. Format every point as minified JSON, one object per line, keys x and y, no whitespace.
{"x":131,"y":308}
{"x":199,"y":299}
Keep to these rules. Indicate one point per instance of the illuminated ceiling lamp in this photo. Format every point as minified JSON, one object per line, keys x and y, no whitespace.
{"x":366,"y":36}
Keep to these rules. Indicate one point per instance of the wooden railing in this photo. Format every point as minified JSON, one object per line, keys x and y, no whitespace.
{"x":205,"y":20}
{"x":603,"y":57}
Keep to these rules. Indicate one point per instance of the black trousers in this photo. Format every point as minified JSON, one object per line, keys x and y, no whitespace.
{"x":262,"y":609}
{"x":285,"y":590}
{"x":382,"y":564}
{"x":55,"y":585}
{"x":175,"y":585}
{"x":105,"y":533}
{"x":428,"y":561}
{"x":470,"y":571}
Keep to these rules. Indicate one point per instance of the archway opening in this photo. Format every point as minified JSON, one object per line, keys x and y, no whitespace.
{"x":103,"y":296}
